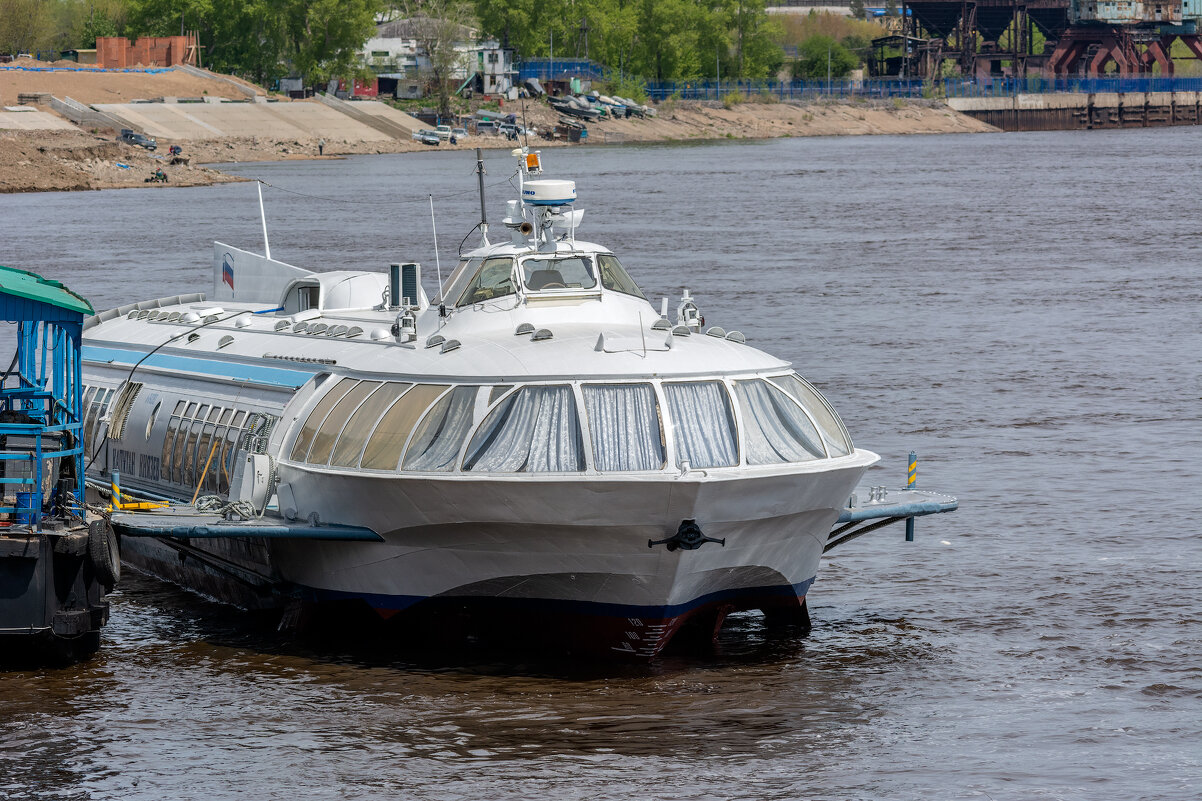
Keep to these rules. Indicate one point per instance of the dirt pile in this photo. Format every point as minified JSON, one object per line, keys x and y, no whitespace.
{"x":57,"y":161}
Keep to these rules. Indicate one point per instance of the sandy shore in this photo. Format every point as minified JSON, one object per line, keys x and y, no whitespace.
{"x":38,"y":161}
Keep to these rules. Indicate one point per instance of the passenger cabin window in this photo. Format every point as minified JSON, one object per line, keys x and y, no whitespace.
{"x":387,"y":441}
{"x":359,"y":427}
{"x":834,"y":433}
{"x":703,"y":423}
{"x":624,"y":425}
{"x":437,"y":440}
{"x":615,"y":277}
{"x":574,"y":272}
{"x":534,"y":430}
{"x":775,"y":429}
{"x":494,"y":279}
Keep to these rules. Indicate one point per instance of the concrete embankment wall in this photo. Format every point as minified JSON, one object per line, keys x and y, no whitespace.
{"x":1051,"y":112}
{"x":289,"y":120}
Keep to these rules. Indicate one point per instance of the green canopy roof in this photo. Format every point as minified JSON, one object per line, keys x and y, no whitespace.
{"x":31,"y":286}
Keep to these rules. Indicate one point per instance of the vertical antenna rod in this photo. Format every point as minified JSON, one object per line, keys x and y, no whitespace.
{"x":437,"y":263}
{"x":263,"y":217}
{"x":480,"y":177}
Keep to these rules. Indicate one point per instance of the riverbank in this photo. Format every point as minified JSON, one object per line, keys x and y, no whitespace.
{"x":42,"y":160}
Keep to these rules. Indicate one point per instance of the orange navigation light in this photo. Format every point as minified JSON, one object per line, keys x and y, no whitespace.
{"x":532,"y":165}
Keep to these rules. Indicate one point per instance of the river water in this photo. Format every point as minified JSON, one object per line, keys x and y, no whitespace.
{"x":1023,"y":310}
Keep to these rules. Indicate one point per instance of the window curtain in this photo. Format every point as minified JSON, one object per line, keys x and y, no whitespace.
{"x":775,"y":428}
{"x":534,"y":431}
{"x":624,"y":426}
{"x":705,"y":429}
{"x":440,"y":434}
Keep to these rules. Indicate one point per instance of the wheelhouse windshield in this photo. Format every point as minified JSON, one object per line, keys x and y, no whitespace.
{"x":573,"y":272}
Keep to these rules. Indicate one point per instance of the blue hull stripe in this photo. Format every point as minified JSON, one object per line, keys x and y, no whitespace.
{"x":252,"y":373}
{"x":400,"y":602}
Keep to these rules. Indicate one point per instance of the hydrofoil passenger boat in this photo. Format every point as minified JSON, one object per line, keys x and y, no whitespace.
{"x":538,"y":446}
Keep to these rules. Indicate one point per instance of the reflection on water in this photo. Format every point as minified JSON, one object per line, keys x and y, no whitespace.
{"x":967,"y":297}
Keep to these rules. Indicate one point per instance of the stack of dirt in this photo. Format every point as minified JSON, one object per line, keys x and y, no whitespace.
{"x":56,"y":161}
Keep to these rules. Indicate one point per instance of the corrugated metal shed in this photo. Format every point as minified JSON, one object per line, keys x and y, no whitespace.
{"x":25,"y":296}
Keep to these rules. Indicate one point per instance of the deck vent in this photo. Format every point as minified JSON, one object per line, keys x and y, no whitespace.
{"x":142,"y":315}
{"x":132,"y":315}
{"x":736,"y":336}
{"x":353,"y":332}
{"x":541,"y":334}
{"x":225,"y":340}
{"x":661,"y":324}
{"x":435,"y":340}
{"x":212,"y":318}
{"x":715,"y":331}
{"x":190,"y":317}
{"x":281,"y":325}
{"x":378,"y":334}
{"x":242,"y":322}
{"x":300,"y":327}
{"x":318,"y":328}
{"x":192,"y":338}
{"x":681,"y":331}
{"x":174,"y":317}
{"x":523,"y":329}
{"x":450,"y":345}
{"x":337,"y":330}
{"x":154,"y":315}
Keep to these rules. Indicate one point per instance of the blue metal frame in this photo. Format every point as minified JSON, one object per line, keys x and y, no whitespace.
{"x":46,"y":385}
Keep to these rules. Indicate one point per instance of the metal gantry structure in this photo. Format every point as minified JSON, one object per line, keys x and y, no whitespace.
{"x":992,"y":38}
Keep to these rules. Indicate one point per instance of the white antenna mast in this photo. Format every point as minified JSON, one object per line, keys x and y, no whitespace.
{"x":263,"y":217}
{"x":437,"y":262}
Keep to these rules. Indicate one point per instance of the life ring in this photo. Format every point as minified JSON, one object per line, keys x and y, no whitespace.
{"x":104,"y":553}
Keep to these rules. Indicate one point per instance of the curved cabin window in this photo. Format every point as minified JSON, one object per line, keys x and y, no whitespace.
{"x":614,"y":277}
{"x":458,"y":279}
{"x":384,"y":446}
{"x":534,"y":430}
{"x":440,"y":435}
{"x":494,"y":279}
{"x":354,"y":435}
{"x":834,"y":433}
{"x":573,"y":272}
{"x":775,"y":429}
{"x":331,"y":427}
{"x":304,"y":439}
{"x":703,"y":423}
{"x":623,"y":422}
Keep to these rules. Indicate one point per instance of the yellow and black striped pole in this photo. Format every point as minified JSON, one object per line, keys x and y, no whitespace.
{"x":911,"y":483}
{"x":115,"y":488}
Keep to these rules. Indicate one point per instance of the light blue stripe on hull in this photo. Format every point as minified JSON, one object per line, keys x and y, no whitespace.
{"x":234,"y":371}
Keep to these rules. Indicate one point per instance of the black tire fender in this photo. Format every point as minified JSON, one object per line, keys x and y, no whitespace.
{"x":105,"y":553}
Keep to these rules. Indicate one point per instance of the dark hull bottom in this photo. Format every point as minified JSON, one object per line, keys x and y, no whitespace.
{"x":529,"y":626}
{"x":545,"y":628}
{"x":46,"y":649}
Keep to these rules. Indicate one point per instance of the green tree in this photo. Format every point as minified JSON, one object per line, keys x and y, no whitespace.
{"x":26,"y":26}
{"x":820,"y":53}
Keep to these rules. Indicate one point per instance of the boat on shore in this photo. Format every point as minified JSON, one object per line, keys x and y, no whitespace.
{"x":537,"y":452}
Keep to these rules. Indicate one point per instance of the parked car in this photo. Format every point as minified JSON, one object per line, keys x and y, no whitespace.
{"x":427,"y":137}
{"x":443,"y":132}
{"x":486,"y":127}
{"x":459,"y":133}
{"x":132,"y":137}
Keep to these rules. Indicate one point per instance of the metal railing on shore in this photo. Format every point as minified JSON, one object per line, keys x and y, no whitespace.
{"x":914,"y":88}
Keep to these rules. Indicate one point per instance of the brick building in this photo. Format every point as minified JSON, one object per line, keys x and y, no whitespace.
{"x":149,"y":51}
